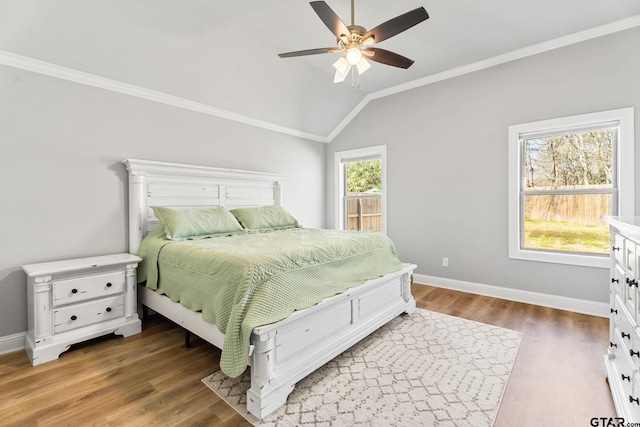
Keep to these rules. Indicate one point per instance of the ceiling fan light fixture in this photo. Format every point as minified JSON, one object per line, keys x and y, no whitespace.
{"x":363,"y":65}
{"x":354,"y":55}
{"x":341,"y":65}
{"x":368,"y":41}
{"x":341,"y":75}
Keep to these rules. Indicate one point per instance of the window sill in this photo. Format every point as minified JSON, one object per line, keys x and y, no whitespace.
{"x":595,"y":261}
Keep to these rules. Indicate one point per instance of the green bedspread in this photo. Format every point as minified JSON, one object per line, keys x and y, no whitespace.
{"x":246,"y":280}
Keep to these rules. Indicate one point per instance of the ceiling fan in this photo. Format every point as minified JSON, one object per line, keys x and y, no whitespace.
{"x":356,"y":41}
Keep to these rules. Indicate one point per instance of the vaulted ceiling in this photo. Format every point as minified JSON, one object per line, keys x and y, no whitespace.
{"x":221,"y":56}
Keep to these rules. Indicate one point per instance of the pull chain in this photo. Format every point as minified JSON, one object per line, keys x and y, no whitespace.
{"x":355,"y":78}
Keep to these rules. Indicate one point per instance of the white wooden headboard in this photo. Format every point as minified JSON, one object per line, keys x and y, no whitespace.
{"x":177,"y":185}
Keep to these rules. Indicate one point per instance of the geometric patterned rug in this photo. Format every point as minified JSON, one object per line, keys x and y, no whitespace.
{"x":424,"y":369}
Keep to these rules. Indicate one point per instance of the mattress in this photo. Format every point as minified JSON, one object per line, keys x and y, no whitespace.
{"x":249,"y":279}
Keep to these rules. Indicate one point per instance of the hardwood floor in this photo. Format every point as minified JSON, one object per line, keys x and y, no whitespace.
{"x":558,"y":379}
{"x":151,"y":379}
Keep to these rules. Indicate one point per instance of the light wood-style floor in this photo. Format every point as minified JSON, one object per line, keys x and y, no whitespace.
{"x":151,"y":379}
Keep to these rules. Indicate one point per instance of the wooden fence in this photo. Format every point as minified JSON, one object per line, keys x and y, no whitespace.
{"x":365,"y":213}
{"x":586,"y":209}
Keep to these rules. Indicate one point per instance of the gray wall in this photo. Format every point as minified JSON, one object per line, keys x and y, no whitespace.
{"x":63,"y":189}
{"x":447,"y":159}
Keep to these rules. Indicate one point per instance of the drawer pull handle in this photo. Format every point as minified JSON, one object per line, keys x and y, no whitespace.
{"x":625,"y":335}
{"x":109,"y":285}
{"x":74,"y":291}
{"x":615,"y":281}
{"x":74,"y":317}
{"x":634,"y":353}
{"x":626,"y":377}
{"x":615,"y":248}
{"x":109,"y":309}
{"x":614,"y":311}
{"x":632,"y":282}
{"x":631,"y":400}
{"x":612,"y":344}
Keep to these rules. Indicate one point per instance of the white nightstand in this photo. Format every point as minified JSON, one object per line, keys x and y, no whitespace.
{"x":75,"y":300}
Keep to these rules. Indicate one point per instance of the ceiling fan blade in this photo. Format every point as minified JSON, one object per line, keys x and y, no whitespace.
{"x":310,"y":52}
{"x":397,"y":25}
{"x":330,"y":19}
{"x":389,"y":58}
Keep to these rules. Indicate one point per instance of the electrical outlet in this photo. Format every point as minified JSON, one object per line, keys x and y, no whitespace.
{"x":445,"y":262}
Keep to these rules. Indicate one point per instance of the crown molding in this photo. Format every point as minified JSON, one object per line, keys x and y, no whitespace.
{"x":64,"y":73}
{"x":57,"y":71}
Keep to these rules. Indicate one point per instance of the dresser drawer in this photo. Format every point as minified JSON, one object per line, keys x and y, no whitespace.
{"x":634,"y":400}
{"x":623,"y":367}
{"x":83,"y":314}
{"x":630,"y":257}
{"x":624,"y":326}
{"x":618,"y":249}
{"x":68,"y":291}
{"x":630,"y":286}
{"x":618,"y":281}
{"x":634,"y":351}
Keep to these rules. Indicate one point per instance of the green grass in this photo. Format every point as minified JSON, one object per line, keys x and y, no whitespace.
{"x":565,"y":236}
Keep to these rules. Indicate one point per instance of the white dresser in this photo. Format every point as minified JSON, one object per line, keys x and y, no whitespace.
{"x":622,"y":361}
{"x":75,"y":300}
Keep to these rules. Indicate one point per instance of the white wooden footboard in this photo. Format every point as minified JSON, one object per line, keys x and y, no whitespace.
{"x":284,"y":352}
{"x":287,"y":351}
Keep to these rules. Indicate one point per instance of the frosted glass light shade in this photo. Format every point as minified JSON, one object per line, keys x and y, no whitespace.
{"x":340,"y":76}
{"x":363,"y":65}
{"x":354,"y":55}
{"x":341,"y":65}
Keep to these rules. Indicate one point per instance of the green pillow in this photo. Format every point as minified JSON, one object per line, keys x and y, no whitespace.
{"x":265,"y":218}
{"x":180,"y":224}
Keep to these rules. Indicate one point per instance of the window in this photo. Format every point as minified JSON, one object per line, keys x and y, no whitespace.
{"x":564,"y":175}
{"x":360,"y":177}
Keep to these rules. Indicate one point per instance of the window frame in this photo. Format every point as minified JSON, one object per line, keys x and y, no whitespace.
{"x":342,"y":157}
{"x":624,"y":180}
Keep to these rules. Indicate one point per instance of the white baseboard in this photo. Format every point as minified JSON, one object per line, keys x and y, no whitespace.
{"x":545,"y":300}
{"x":11,"y":343}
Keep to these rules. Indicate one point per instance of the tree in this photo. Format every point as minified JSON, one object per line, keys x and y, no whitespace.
{"x":364,"y":175}
{"x":570,"y":159}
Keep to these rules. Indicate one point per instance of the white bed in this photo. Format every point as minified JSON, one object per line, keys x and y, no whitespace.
{"x":284,"y":352}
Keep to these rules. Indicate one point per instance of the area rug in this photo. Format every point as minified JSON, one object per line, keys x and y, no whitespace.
{"x":424,"y":369}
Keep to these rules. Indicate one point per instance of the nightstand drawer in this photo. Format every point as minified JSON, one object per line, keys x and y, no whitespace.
{"x":76,"y":316}
{"x":84,"y":288}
